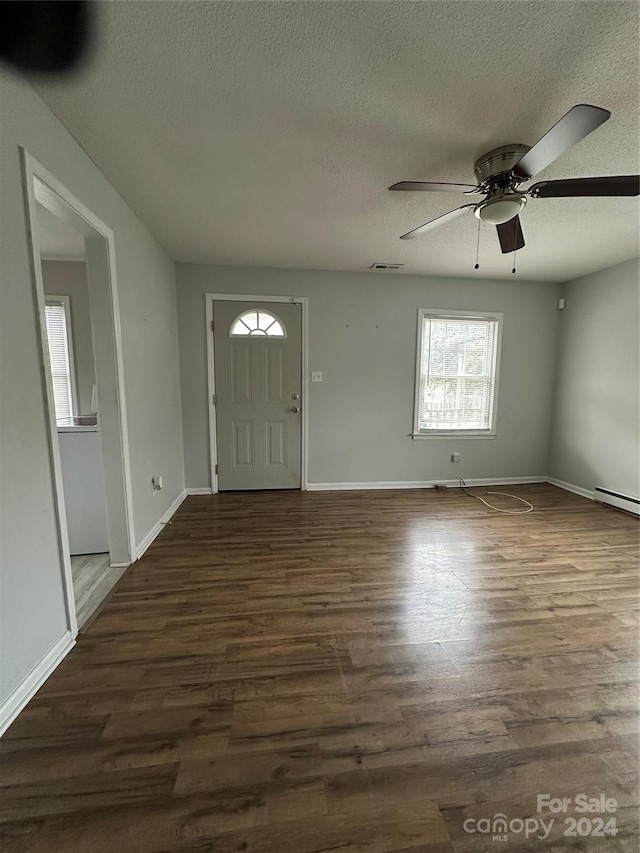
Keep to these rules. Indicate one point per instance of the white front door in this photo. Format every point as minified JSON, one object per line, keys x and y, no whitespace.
{"x":258,"y":377}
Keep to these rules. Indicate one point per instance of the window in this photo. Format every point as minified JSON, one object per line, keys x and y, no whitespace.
{"x":456,"y":382}
{"x":257,"y":323}
{"x":56,"y":312}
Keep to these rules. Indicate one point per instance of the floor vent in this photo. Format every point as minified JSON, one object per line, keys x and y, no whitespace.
{"x":380,"y":266}
{"x":617,"y":500}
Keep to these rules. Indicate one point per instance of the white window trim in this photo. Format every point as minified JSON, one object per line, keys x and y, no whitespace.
{"x":65,"y":301}
{"x":456,"y":433}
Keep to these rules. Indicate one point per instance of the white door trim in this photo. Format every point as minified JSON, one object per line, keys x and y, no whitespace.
{"x":210,"y":298}
{"x":41,"y":186}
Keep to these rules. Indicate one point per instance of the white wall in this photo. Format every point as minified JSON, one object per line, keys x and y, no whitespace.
{"x":596,"y":427}
{"x":32,"y":611}
{"x":362,"y":335}
{"x":69,"y":278}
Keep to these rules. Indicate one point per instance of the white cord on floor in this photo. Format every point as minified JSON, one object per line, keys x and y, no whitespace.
{"x":497,"y":509}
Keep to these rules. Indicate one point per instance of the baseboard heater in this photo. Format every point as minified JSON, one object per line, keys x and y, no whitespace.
{"x":617,"y":500}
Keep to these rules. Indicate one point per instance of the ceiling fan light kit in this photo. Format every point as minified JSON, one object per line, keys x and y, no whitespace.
{"x":500,"y":172}
{"x":500,"y":206}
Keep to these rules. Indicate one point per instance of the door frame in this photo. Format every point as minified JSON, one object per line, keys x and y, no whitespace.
{"x":40,"y":186}
{"x":210,"y":298}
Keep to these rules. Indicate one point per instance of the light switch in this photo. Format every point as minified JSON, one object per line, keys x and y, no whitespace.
{"x":316,"y":376}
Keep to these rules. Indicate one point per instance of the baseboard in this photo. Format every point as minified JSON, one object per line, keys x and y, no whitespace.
{"x":200,"y":491}
{"x":155,"y":530}
{"x":29,"y":686}
{"x":423,"y":484}
{"x":148,"y":539}
{"x":569,"y":487}
{"x":619,"y":500}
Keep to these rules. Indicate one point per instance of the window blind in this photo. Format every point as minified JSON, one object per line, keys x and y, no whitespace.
{"x":457,"y":374}
{"x":56,"y":319}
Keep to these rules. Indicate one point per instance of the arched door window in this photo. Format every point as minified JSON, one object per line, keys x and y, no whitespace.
{"x":257,"y":323}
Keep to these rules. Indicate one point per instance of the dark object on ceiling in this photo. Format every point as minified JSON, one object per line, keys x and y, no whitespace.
{"x":45,"y":37}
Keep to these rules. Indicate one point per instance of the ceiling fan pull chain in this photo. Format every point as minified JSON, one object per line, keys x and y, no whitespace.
{"x":515,"y":249}
{"x":477,"y":266}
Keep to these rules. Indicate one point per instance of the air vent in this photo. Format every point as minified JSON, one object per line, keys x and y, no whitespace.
{"x":380,"y":267}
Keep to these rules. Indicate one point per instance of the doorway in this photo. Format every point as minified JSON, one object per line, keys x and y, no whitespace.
{"x":73,"y":264}
{"x":257,"y":376}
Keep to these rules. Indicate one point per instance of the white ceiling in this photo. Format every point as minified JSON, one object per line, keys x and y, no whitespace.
{"x":268,"y":133}
{"x":56,"y":239}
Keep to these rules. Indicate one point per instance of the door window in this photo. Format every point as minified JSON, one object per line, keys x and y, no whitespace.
{"x":256,"y":323}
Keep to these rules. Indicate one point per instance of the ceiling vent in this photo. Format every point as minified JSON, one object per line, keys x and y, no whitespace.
{"x":380,"y":266}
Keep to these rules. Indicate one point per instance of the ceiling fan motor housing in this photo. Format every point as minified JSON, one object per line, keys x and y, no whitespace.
{"x":499,"y":162}
{"x":495,"y":177}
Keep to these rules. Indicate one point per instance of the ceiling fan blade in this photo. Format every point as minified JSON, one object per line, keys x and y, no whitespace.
{"x":510,"y":235}
{"x":440,"y":220}
{"x":628,"y":185}
{"x":579,"y":122}
{"x":431,"y":187}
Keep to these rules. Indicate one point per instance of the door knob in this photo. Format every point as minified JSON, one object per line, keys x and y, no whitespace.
{"x":295,"y":396}
{"x":295,"y":409}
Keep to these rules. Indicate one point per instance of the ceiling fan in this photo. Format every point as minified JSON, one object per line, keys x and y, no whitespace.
{"x":500,"y":172}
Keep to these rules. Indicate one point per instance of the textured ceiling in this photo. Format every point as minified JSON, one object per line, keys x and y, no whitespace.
{"x":267,"y":133}
{"x":56,"y":239}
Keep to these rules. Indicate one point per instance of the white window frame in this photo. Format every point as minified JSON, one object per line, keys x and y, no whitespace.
{"x":276,"y":319}
{"x":456,"y":433}
{"x":65,"y":301}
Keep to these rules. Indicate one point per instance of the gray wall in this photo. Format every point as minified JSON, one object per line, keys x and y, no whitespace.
{"x":362,"y":335}
{"x":32,"y":613}
{"x":596,"y":428}
{"x":69,"y":278}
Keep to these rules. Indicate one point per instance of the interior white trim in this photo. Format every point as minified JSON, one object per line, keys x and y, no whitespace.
{"x":424,"y":484}
{"x":58,"y":200}
{"x":416,"y":433}
{"x":67,"y":259}
{"x":210,"y":298}
{"x":569,"y":487}
{"x":157,"y":527}
{"x":452,"y":484}
{"x":213,"y":448}
{"x":43,"y":187}
{"x":464,"y":434}
{"x":28,"y":687}
{"x":203,"y":490}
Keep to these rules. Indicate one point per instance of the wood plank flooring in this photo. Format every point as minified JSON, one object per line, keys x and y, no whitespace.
{"x":354,"y":672}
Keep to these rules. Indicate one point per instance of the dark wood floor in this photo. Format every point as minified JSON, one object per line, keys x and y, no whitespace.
{"x":355,"y":672}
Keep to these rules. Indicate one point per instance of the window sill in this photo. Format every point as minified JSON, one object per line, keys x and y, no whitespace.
{"x":453,"y":434}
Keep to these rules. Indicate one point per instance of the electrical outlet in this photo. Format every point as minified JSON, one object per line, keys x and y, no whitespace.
{"x":455,"y":457}
{"x":316,"y":376}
